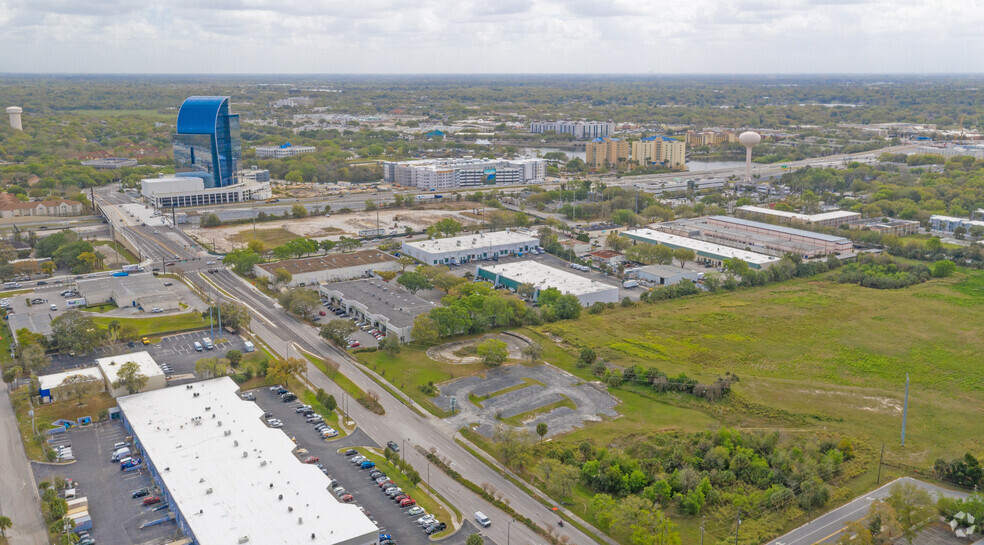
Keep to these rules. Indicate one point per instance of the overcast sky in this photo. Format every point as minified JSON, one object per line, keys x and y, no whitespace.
{"x":491,"y":36}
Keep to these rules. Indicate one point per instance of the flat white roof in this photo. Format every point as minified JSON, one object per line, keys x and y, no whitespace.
{"x":227,"y":471}
{"x":47,"y":382}
{"x":836,"y":214}
{"x":659,"y":237}
{"x":472,"y":242}
{"x":954,"y":219}
{"x":111,"y":365}
{"x":544,"y":276}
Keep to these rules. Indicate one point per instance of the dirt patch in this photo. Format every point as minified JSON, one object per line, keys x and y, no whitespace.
{"x":463,"y":352}
{"x":864,"y":402}
{"x":338,"y":225}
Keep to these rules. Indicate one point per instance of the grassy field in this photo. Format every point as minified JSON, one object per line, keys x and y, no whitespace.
{"x":45,"y":414}
{"x":270,"y":237}
{"x":157,"y":324}
{"x":810,"y":354}
{"x":118,"y":248}
{"x":412,"y":368}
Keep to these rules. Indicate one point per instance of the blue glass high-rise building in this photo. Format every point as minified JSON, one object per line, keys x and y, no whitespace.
{"x":207,"y":143}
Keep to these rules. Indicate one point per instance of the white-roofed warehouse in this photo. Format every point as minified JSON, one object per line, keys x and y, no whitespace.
{"x":228,"y":478}
{"x":541,"y":277}
{"x":464,"y":248}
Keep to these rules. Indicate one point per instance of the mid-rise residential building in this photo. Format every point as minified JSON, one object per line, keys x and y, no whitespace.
{"x":12,"y":207}
{"x":581,"y":130}
{"x":439,"y":174}
{"x":602,"y":152}
{"x":710,"y":138}
{"x":832,"y":219}
{"x":660,"y":149}
{"x":947,"y":224}
{"x":281,"y":151}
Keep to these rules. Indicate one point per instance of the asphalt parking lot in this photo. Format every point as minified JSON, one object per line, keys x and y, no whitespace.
{"x":390,"y":518}
{"x":364,"y":338}
{"x":116,"y":517}
{"x":178,"y":351}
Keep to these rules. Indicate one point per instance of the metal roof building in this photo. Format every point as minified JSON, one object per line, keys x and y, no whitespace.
{"x":466,"y":248}
{"x":707,"y":252}
{"x":541,"y":277}
{"x":229,"y":478}
{"x":388,"y":307}
{"x":825,"y":219}
{"x":329,"y":268}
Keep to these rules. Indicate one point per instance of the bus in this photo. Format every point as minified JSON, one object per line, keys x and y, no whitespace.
{"x":427,"y":197}
{"x":132,"y":268}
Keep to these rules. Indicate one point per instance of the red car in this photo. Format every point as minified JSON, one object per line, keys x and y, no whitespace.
{"x":347,"y":498}
{"x":152,"y":500}
{"x":311,"y":460}
{"x":171,"y":264}
{"x":407,"y":502}
{"x":323,"y":313}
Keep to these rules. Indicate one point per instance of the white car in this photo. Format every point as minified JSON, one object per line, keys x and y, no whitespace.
{"x":155,"y":310}
{"x":274,"y":423}
{"x":329,"y":432}
{"x":210,"y":263}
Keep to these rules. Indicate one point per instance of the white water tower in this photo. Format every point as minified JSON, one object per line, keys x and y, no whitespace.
{"x":749,"y":139}
{"x":15,"y":117}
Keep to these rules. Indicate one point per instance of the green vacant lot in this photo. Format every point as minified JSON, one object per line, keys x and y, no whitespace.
{"x":810,"y":353}
{"x":158,"y":324}
{"x":271,"y":238}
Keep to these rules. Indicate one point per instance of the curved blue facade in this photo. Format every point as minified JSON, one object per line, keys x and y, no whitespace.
{"x":207,"y":141}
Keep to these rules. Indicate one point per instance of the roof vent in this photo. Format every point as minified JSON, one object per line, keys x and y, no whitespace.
{"x":227,"y":433}
{"x":300,"y":520}
{"x":245,"y":454}
{"x":235,"y":443}
{"x":263,"y":464}
{"x":290,"y":509}
{"x":312,"y":535}
{"x":279,"y":496}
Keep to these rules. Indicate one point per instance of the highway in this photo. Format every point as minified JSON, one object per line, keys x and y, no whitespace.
{"x":828,"y":527}
{"x":286,"y":335}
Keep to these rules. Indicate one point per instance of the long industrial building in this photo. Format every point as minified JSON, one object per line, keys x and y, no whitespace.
{"x":311,"y":271}
{"x":228,"y":478}
{"x":388,"y":307}
{"x":465,"y":248}
{"x":825,"y":219}
{"x":541,"y":277}
{"x":759,"y":237}
{"x":440,"y":174}
{"x":707,"y":252}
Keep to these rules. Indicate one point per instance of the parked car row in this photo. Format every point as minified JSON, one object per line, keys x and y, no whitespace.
{"x":315,"y":419}
{"x":427,"y":522}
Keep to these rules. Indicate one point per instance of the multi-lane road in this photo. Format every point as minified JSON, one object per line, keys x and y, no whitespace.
{"x":286,"y":334}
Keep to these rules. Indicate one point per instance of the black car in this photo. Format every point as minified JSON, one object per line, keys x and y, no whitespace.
{"x":351,"y":452}
{"x":140,"y":493}
{"x":42,"y":283}
{"x":288,"y":397}
{"x":393,"y":446}
{"x":434,"y":528}
{"x":131,"y":344}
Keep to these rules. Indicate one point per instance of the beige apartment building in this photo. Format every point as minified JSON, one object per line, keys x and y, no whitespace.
{"x":660,"y":149}
{"x":605,"y":151}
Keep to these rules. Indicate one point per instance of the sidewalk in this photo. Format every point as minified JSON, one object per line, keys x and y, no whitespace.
{"x":19,"y":498}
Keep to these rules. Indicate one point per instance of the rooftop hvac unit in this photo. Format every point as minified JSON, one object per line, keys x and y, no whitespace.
{"x":208,"y":490}
{"x":227,"y":433}
{"x":245,"y":454}
{"x":243,"y":539}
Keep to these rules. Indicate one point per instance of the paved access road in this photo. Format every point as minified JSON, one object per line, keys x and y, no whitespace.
{"x":18,"y":496}
{"x":829,"y":526}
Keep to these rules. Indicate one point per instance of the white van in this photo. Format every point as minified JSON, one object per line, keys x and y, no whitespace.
{"x":120,"y":453}
{"x":118,"y":446}
{"x":482,"y":519}
{"x":248,"y":347}
{"x":207,"y":343}
{"x":198,"y":346}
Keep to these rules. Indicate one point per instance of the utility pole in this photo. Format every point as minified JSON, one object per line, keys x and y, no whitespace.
{"x":737,"y":524}
{"x":880,"y":458}
{"x":905,"y":407}
{"x":211,"y":324}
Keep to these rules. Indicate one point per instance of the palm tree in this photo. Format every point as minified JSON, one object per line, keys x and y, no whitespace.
{"x":5,"y":523}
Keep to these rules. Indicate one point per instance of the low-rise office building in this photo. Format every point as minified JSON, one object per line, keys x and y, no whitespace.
{"x":465,"y":248}
{"x":182,"y":191}
{"x":311,"y":271}
{"x":541,"y":277}
{"x":388,"y":307}
{"x":227,"y":477}
{"x":607,"y":257}
{"x":256,"y":175}
{"x":707,"y":252}
{"x":281,"y":151}
{"x":665,"y":275}
{"x":681,"y":186}
{"x":441,"y":174}
{"x":110,"y":367}
{"x":35,"y":323}
{"x":53,"y":388}
{"x":826,"y":219}
{"x":144,"y":291}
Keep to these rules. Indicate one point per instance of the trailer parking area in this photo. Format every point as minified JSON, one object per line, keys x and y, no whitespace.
{"x":116,"y":515}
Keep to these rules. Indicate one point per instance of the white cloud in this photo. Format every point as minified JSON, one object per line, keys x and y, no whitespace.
{"x":510,"y":36}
